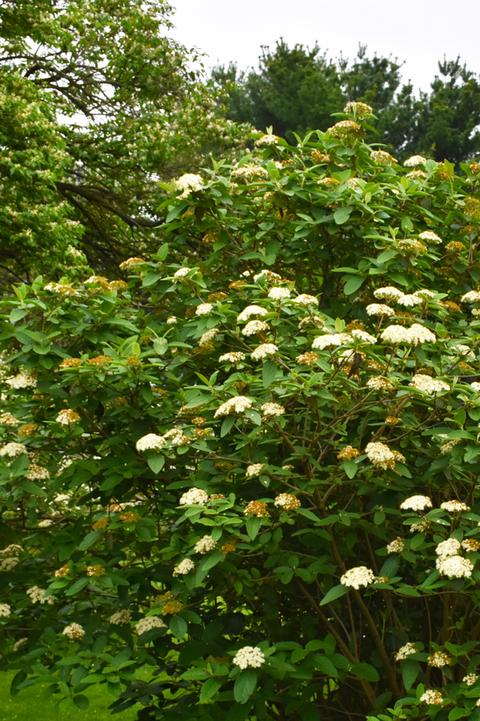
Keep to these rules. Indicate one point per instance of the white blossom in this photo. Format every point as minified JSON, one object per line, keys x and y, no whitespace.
{"x":271,"y":410}
{"x":254,"y":326}
{"x":264,"y":351}
{"x":450,"y":547}
{"x":427,"y":384}
{"x":181,"y":272}
{"x":473,"y":296}
{"x":431,"y":236}
{"x":188,"y":183}
{"x":414,"y":160}
{"x":204,"y":309}
{"x":279,"y":293}
{"x":379,"y":309}
{"x":204,"y":545}
{"x":207,"y":337}
{"x":454,"y":506}
{"x":381,"y":456}
{"x":330,"y":340}
{"x":396,"y":546}
{"x":232,"y":357}
{"x":416,"y":503}
{"x":254,"y":469}
{"x":406,"y":650}
{"x":120,"y":617}
{"x":144,"y":625}
{"x":357,"y":577}
{"x":249,"y":657}
{"x":408,"y":300}
{"x":249,"y":311}
{"x":389,"y":292}
{"x":194,"y":496}
{"x":12,"y":450}
{"x":237,"y":404}
{"x":432,"y":697}
{"x":305,"y":299}
{"x":184,"y":567}
{"x":363,"y":336}
{"x":74,"y":632}
{"x":454,"y":566}
{"x":23,"y":379}
{"x":150,"y":442}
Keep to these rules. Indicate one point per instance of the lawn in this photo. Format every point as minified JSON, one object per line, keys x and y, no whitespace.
{"x":32,"y":704}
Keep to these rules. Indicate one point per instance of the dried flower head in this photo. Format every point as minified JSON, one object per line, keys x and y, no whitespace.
{"x":256,"y":508}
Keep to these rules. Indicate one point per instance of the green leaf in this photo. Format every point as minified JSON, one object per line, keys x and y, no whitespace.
{"x":245,"y":685}
{"x":81,"y":701}
{"x":334,"y":593}
{"x":365,"y":671}
{"x":209,"y":690}
{"x":206,"y":565}
{"x":226,"y":426}
{"x":457,"y":713}
{"x":410,"y":671}
{"x":270,"y":371}
{"x":77,"y":587}
{"x":253,"y":526}
{"x":326,"y":666}
{"x":178,"y":626}
{"x":341,"y":215}
{"x":350,"y":468}
{"x":156,"y":463}
{"x":160,"y":345}
{"x":353,"y":283}
{"x":17,"y":682}
{"x":89,"y":540}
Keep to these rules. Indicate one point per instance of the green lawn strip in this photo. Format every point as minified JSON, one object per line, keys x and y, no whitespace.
{"x":34,"y":704}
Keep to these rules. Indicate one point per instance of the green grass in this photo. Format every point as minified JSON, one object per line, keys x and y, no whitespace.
{"x":32,"y":704}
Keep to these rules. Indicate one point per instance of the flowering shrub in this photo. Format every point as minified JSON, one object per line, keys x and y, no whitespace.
{"x":237,"y":471}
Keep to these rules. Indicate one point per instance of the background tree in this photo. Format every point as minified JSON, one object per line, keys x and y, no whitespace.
{"x":122,"y":94}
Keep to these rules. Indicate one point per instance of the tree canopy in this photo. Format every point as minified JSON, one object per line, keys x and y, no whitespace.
{"x":296,"y":89}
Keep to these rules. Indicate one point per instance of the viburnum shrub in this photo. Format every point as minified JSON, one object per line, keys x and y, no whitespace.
{"x":240,"y":480}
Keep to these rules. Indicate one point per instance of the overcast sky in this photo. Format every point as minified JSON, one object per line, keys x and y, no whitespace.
{"x":420,"y":32}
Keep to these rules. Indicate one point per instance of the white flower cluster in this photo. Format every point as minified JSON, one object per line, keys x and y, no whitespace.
{"x":254,"y":469}
{"x":454,"y":506}
{"x":380,"y":383}
{"x":454,"y":566}
{"x":237,"y":404}
{"x":267,"y":275}
{"x":439,"y":659}
{"x":416,"y":503}
{"x":473,"y":296}
{"x":204,"y":309}
{"x":153,"y":442}
{"x":432,"y":697}
{"x":8,"y":563}
{"x":427,"y":384}
{"x":182,"y":272}
{"x":148,"y":624}
{"x":249,"y":657}
{"x":362,"y":336}
{"x":267,"y":139}
{"x":287,"y":501}
{"x":279,"y":293}
{"x":120,"y":617}
{"x":430,"y":235}
{"x":396,"y":546}
{"x":12,"y":450}
{"x":470,"y":679}
{"x":263,"y":351}
{"x":232,"y":357}
{"x":357,"y":577}
{"x":204,"y":545}
{"x":194,"y":496}
{"x":5,"y":610}
{"x":207,"y":337}
{"x":67,"y":416}
{"x":74,"y":632}
{"x":330,"y":340}
{"x":305,"y":299}
{"x":188,"y":183}
{"x":414,"y":160}
{"x":449,"y":547}
{"x":272,"y":410}
{"x":184,"y":567}
{"x":414,"y":335}
{"x":381,"y":456}
{"x":23,"y":379}
{"x":405,"y":651}
{"x":254,"y":326}
{"x":249,"y":311}
{"x":39,"y":595}
{"x":379,"y":309}
{"x":37,"y":473}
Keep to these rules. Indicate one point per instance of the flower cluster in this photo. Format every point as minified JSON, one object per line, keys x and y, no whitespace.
{"x":254,"y":469}
{"x":416,"y":503}
{"x":74,"y":632}
{"x":249,"y":657}
{"x":381,"y":456}
{"x":357,"y":577}
{"x":272,"y":410}
{"x":184,"y":567}
{"x":405,"y":651}
{"x":188,"y":183}
{"x":414,"y":335}
{"x":263,"y":351}
{"x":193,"y":497}
{"x":427,"y":384}
{"x":439,"y":659}
{"x":204,"y":545}
{"x":67,"y":416}
{"x":237,"y":404}
{"x":121,"y":617}
{"x":287,"y":501}
{"x":12,"y":450}
{"x":39,"y":595}
{"x":253,"y":327}
{"x":144,"y":625}
{"x":256,"y":508}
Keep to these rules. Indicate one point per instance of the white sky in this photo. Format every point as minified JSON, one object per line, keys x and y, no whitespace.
{"x":420,"y":32}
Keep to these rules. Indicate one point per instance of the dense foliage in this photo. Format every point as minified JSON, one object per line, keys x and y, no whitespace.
{"x":240,"y":479}
{"x":98,"y":104}
{"x":296,"y":89}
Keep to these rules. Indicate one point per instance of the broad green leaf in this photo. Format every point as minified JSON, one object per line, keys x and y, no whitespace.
{"x":334,"y":593}
{"x":245,"y":685}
